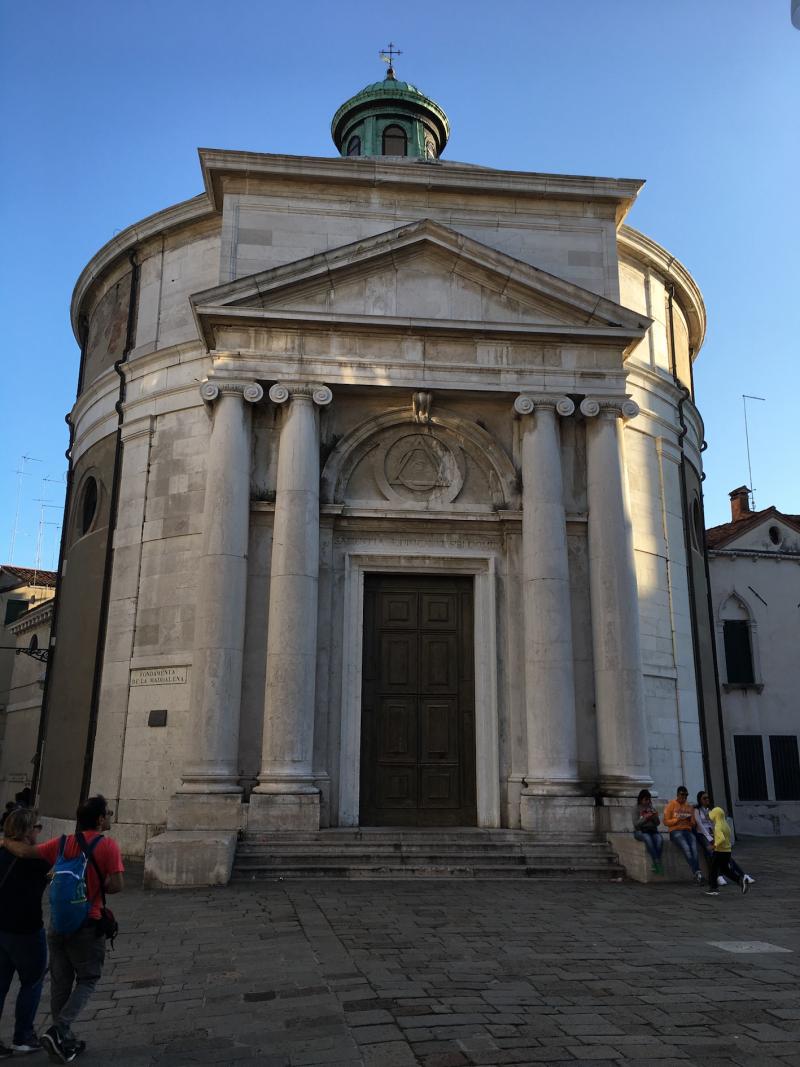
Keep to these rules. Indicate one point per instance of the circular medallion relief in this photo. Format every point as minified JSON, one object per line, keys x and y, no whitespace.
{"x":419,"y":467}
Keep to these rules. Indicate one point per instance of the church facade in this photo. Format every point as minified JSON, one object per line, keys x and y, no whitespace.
{"x":384,"y":506}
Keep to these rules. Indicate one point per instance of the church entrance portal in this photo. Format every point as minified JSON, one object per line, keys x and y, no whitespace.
{"x":417,"y":709}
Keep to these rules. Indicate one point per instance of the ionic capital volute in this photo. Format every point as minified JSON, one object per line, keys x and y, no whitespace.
{"x":605,"y":407}
{"x":319,"y":394}
{"x":529,"y":403}
{"x":213,"y":390}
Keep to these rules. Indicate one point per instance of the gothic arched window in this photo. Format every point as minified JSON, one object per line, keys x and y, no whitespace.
{"x":394,"y":141}
{"x":737,"y":639}
{"x":354,"y":146}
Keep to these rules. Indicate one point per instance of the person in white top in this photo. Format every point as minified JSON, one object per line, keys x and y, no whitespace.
{"x":704,"y":832}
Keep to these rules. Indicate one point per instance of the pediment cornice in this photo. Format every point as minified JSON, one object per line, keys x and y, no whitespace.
{"x":544,"y":304}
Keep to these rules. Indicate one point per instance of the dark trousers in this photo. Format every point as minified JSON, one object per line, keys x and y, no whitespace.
{"x":722,"y":864}
{"x":25,"y":954}
{"x":708,"y":851}
{"x":76,"y":964}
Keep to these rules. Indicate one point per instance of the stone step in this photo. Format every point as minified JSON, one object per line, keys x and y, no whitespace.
{"x":482,"y":859}
{"x":416,"y":871}
{"x":414,"y":848}
{"x":384,"y":852}
{"x":455,"y":839}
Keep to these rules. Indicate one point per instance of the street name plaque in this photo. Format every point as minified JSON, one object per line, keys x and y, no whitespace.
{"x":158,"y":676}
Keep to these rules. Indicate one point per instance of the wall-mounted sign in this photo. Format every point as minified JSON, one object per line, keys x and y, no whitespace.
{"x":158,"y":676}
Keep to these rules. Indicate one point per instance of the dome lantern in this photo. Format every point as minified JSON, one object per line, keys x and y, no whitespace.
{"x":390,"y":118}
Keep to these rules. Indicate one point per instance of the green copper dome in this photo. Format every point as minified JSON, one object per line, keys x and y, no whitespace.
{"x":390,"y":118}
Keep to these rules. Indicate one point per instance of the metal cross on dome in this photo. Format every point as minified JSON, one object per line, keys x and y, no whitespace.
{"x":387,"y":55}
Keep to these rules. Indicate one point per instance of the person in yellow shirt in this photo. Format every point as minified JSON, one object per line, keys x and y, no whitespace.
{"x":721,"y":860}
{"x":679,"y":820}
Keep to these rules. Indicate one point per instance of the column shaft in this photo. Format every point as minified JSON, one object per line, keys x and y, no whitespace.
{"x":549,"y":669}
{"x":619,"y":695}
{"x":213,"y":765}
{"x":288,"y":740}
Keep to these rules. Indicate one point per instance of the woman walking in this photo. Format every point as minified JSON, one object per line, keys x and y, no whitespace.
{"x":23,"y":948}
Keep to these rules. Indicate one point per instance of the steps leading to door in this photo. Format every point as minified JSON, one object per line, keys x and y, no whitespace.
{"x":405,"y":853}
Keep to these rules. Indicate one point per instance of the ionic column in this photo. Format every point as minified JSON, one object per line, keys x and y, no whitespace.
{"x":619,"y":696}
{"x":286,"y":797}
{"x":549,"y":680}
{"x":213,"y":764}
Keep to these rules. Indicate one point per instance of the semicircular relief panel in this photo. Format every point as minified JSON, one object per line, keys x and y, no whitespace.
{"x":422,"y":468}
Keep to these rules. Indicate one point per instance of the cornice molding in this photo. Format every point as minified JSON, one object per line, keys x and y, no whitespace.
{"x":647,"y":251}
{"x":219,"y":164}
{"x":170,"y":218}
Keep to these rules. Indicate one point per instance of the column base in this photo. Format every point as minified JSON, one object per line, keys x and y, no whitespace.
{"x":283,"y":811}
{"x":615,"y":814}
{"x":186,"y":858}
{"x":205,"y":811}
{"x":564,"y":814}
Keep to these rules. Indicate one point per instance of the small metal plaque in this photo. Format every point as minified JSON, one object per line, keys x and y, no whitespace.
{"x":748,"y":946}
{"x":157,"y":717}
{"x":158,"y":676}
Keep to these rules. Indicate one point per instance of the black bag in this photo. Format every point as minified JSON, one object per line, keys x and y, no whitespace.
{"x":107,"y":925}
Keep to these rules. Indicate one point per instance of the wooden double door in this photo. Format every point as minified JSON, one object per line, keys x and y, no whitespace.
{"x":417,"y":707}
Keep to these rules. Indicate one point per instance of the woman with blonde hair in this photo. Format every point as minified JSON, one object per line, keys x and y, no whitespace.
{"x":23,"y":947}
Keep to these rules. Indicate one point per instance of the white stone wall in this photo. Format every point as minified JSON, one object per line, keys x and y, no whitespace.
{"x":767,"y":579}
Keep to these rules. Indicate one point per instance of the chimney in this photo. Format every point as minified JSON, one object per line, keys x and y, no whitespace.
{"x":740,"y":503}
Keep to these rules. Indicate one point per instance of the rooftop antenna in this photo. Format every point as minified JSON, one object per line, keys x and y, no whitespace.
{"x":37,"y":566}
{"x":745,"y":398}
{"x":387,"y":55}
{"x":20,"y":473}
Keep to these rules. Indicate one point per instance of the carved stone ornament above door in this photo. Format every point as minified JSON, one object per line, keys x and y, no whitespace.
{"x":419,"y":468}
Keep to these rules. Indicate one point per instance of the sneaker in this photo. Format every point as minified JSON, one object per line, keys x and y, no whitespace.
{"x":74,"y":1049}
{"x":749,"y":880}
{"x":31,"y":1044}
{"x":53,"y":1044}
{"x":698,"y":877}
{"x":712,"y":892}
{"x":722,"y":881}
{"x":745,"y":885}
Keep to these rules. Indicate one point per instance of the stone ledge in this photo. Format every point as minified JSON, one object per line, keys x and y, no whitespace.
{"x":185,"y":858}
{"x":635,"y":858}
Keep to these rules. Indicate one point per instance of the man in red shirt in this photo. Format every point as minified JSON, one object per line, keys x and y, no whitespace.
{"x":76,"y":960}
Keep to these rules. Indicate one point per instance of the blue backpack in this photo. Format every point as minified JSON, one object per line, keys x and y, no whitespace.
{"x":69,"y":900}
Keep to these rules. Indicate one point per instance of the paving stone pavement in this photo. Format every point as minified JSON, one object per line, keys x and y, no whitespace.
{"x":444,"y":973}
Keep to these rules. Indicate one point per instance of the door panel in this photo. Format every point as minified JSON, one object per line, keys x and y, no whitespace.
{"x":417,"y":715}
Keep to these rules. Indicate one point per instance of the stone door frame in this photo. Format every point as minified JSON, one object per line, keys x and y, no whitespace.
{"x":482,"y":568}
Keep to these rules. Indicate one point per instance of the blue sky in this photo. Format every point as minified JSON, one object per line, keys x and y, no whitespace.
{"x":105,"y":104}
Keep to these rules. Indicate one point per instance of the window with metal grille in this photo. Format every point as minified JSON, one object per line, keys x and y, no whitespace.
{"x":738,"y":652}
{"x":785,"y":767}
{"x":750,"y":770}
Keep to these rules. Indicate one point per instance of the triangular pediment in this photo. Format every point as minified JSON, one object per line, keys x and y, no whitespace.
{"x":424,"y":275}
{"x":768,"y":531}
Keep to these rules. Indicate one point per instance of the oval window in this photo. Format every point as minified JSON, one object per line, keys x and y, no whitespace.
{"x":775,"y":535}
{"x":394,"y":141}
{"x":88,"y":505}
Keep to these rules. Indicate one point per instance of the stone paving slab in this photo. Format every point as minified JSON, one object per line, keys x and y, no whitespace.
{"x":454,"y":974}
